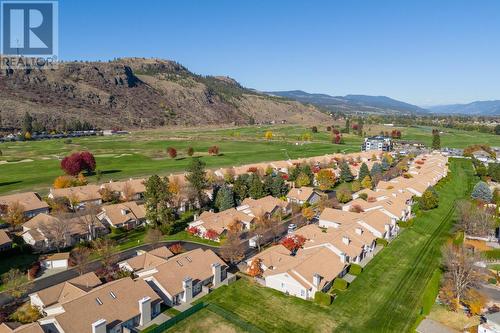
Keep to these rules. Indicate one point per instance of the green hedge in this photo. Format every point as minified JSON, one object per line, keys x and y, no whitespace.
{"x":492,"y":281}
{"x":405,"y":224}
{"x":355,"y":269}
{"x":322,"y":298}
{"x":381,"y":241}
{"x":339,"y":284}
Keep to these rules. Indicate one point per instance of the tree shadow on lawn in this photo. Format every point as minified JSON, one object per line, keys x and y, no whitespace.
{"x":10,"y":183}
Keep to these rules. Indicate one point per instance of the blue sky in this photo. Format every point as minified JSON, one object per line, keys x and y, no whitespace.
{"x":423,"y":52}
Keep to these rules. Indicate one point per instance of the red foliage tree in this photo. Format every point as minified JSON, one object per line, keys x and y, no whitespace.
{"x":337,"y":139}
{"x":88,"y":161}
{"x":214,"y":150}
{"x":211,"y":234}
{"x":294,"y":242}
{"x":252,"y":169}
{"x":193,"y":231}
{"x":78,"y":162}
{"x":176,"y":248}
{"x":172,"y":152}
{"x":335,"y":131}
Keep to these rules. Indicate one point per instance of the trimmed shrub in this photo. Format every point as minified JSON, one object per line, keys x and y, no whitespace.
{"x":405,"y":224}
{"x":339,"y":284}
{"x":355,"y":269}
{"x":322,"y":298}
{"x":492,"y":281}
{"x":363,"y":196}
{"x":381,"y":241}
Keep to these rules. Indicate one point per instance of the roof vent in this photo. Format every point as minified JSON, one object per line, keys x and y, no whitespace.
{"x":179,"y":263}
{"x":189,"y":259}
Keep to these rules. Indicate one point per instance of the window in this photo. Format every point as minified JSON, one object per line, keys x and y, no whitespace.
{"x":302,"y":293}
{"x":98,"y":300}
{"x":112,"y":294}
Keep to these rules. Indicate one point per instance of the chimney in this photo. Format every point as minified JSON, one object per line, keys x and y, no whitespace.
{"x":343,"y":257}
{"x":345,"y":240}
{"x":145,"y":310}
{"x":359,"y":231}
{"x":316,"y":280}
{"x":124,"y":211}
{"x":99,"y":326}
{"x":187,"y":285}
{"x":216,"y":272}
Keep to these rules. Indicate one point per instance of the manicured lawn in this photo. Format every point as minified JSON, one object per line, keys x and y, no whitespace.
{"x":387,"y":296}
{"x":270,"y":310}
{"x":143,"y":153}
{"x":205,"y":321}
{"x":184,"y":236}
{"x":389,"y":292}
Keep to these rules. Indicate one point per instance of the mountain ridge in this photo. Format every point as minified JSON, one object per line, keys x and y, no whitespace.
{"x":352,"y":103}
{"x":478,"y":108}
{"x":139,"y":93}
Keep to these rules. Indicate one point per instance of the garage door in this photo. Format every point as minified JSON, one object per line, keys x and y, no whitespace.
{"x":59,"y":264}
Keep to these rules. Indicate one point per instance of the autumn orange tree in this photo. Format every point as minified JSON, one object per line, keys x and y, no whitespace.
{"x":255,"y":268}
{"x":268,"y":135}
{"x":308,"y":213}
{"x":326,"y":179}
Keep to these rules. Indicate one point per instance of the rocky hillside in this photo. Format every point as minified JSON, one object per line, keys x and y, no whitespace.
{"x":139,"y":93}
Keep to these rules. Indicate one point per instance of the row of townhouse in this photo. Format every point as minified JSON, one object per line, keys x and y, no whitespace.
{"x":86,"y":305}
{"x":244,"y":215}
{"x":43,"y":231}
{"x":345,"y":236}
{"x":134,"y":189}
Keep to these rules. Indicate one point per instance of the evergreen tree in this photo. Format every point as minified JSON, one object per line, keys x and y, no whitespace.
{"x":345,"y":173}
{"x":347,"y":125}
{"x":27,"y":123}
{"x":256,"y":188}
{"x":279,"y":187}
{"x":436,"y":140}
{"x":225,"y":198}
{"x":363,"y":171}
{"x":196,"y":176}
{"x":385,"y":164}
{"x":240,"y":188}
{"x":157,"y":197}
{"x":376,"y":169}
{"x":482,"y":192}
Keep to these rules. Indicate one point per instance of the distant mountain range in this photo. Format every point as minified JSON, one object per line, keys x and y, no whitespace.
{"x":352,"y":103}
{"x":478,"y":108}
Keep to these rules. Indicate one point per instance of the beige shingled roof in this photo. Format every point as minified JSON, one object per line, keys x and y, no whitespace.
{"x":4,"y":238}
{"x":264,"y":205}
{"x":301,"y":194}
{"x":43,"y":220}
{"x":151,"y":259}
{"x":196,"y":264}
{"x":69,"y":290}
{"x":303,"y":265}
{"x":132,"y":211}
{"x":29,"y":200}
{"x":28,"y":328}
{"x":222,"y":220}
{"x":80,"y":193}
{"x":81,"y":312}
{"x":135,"y":185}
